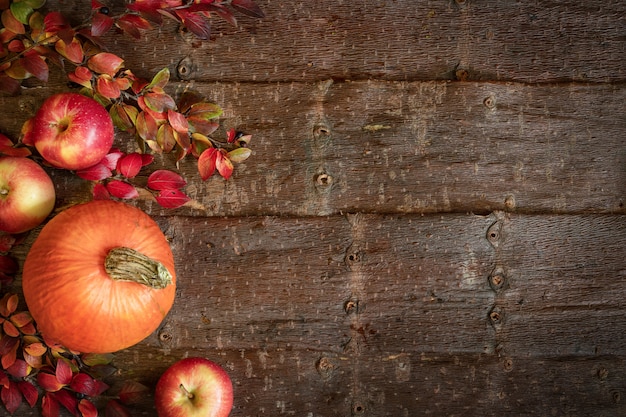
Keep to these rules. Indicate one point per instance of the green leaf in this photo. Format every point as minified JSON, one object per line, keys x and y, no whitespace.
{"x":35,"y":4}
{"x":160,"y":79}
{"x":239,"y":154}
{"x":93,"y":359}
{"x":21,"y":11}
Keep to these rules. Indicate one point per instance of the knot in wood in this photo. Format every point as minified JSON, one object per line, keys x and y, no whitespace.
{"x":321,"y":131}
{"x":496,"y":316}
{"x":323,"y":180}
{"x":185,"y":69}
{"x":358,"y":408}
{"x":494,"y":234}
{"x":490,"y":102}
{"x":497,"y":279}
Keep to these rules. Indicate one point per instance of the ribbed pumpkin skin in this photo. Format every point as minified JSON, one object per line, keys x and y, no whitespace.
{"x":70,"y":295}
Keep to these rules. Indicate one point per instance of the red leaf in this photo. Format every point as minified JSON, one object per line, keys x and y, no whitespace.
{"x":165,"y":180}
{"x":130,"y":165}
{"x":100,"y":192}
{"x":105,"y":63}
{"x":72,"y":50}
{"x":95,"y":173}
{"x":132,"y":392}
{"x":63,"y":372}
{"x":81,"y":76}
{"x":207,"y":163}
{"x":10,"y":330}
{"x":8,"y":264}
{"x":135,"y":20}
{"x":10,"y":85}
{"x":224,"y":166}
{"x":87,"y":409}
{"x":19,"y":369}
{"x":171,"y":198}
{"x":100,"y":24}
{"x":116,"y":409}
{"x":111,"y":159}
{"x":67,"y":400}
{"x":121,"y":189}
{"x":178,"y":121}
{"x":11,"y":397}
{"x":107,"y":87}
{"x":48,"y":382}
{"x":29,"y":392}
{"x":197,"y":23}
{"x":49,"y":406}
{"x":146,"y":159}
{"x":83,"y":384}
{"x":247,"y":7}
{"x":55,"y":22}
{"x":10,"y":23}
{"x":36,"y":65}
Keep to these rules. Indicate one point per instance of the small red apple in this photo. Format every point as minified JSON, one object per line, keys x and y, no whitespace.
{"x":26,"y":194}
{"x":70,"y":131}
{"x":194,"y":387}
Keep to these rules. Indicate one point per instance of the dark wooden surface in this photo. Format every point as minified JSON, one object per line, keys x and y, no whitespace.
{"x":432,"y":221}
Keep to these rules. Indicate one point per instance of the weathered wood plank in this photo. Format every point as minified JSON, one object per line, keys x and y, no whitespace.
{"x":392,"y":147}
{"x":400,"y":309}
{"x":542,"y":41}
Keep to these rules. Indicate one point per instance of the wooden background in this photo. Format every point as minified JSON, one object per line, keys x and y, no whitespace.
{"x":432,"y":221}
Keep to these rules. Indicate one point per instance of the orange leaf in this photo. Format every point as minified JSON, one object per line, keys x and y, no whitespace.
{"x":206,"y":163}
{"x":224,"y":166}
{"x":48,"y":382}
{"x":178,"y":121}
{"x":165,"y":138}
{"x":8,"y":304}
{"x":36,"y":349}
{"x":21,"y":319}
{"x":81,"y":76}
{"x":107,"y":86}
{"x":105,"y":63}
{"x":11,"y":23}
{"x":72,"y":51}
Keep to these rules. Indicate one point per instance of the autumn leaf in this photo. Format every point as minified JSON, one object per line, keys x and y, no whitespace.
{"x":165,"y":180}
{"x":177,"y":121}
{"x":132,"y":392}
{"x":107,"y":87}
{"x":21,"y":319}
{"x":95,"y":173}
{"x":35,"y":349}
{"x":11,"y":23}
{"x":8,"y":304}
{"x":100,"y":24}
{"x":239,"y":154}
{"x":11,"y":397}
{"x":207,"y":163}
{"x":171,"y":198}
{"x":105,"y":63}
{"x":129,"y":165}
{"x":81,"y":76}
{"x":87,"y":409}
{"x":196,"y":23}
{"x":247,"y":7}
{"x":100,"y":192}
{"x":121,"y":189}
{"x":63,"y":372}
{"x":19,"y":369}
{"x":48,"y":382}
{"x":49,"y":406}
{"x":36,"y":65}
{"x":116,"y":409}
{"x":72,"y":50}
{"x":30,"y":393}
{"x":67,"y":400}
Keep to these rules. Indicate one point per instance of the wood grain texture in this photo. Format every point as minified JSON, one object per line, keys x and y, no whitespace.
{"x":403,"y":40}
{"x":395,"y":147}
{"x":432,"y":221}
{"x":395,"y":314}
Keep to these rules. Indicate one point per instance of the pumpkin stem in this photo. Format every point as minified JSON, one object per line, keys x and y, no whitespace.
{"x":126,"y":264}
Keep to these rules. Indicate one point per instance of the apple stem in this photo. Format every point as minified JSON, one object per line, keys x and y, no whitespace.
{"x":186,"y":392}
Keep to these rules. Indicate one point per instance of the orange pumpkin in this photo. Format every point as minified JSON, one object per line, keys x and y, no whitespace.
{"x":99,"y":277}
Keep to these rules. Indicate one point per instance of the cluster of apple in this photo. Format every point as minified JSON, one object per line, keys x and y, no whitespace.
{"x":72,"y":131}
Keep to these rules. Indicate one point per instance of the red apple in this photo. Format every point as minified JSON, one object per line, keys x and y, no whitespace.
{"x":194,"y":387}
{"x":26,"y":194}
{"x":70,"y":131}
